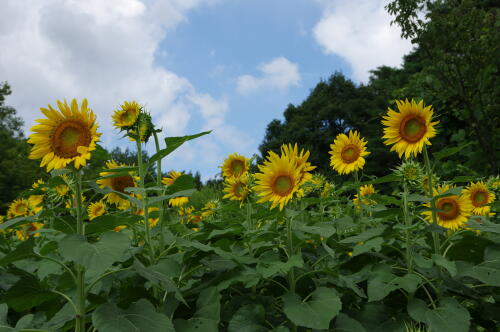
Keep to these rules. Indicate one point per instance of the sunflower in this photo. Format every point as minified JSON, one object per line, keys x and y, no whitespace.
{"x":455,"y":210}
{"x":279,"y":179}
{"x":38,"y":183}
{"x":96,"y":209}
{"x":209,"y":209}
{"x":152,"y":221}
{"x":300,"y":158}
{"x":186,"y":213}
{"x":364,"y":191}
{"x":35,"y":203}
{"x":62,"y":189}
{"x":66,"y":136}
{"x":347,"y":153}
{"x":479,"y":196}
{"x":127,"y":115}
{"x":410,"y":128}
{"x":117,"y":183}
{"x":19,"y":208}
{"x":29,"y":230}
{"x":235,"y":166}
{"x":236,"y":189}
{"x":170,"y":180}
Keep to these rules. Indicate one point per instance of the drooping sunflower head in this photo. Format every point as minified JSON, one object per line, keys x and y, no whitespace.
{"x":19,"y":208}
{"x":348,"y":152}
{"x":29,"y":230}
{"x":39,"y":183}
{"x":66,"y":136}
{"x":278,"y":180}
{"x":410,"y":128}
{"x":454,"y":210}
{"x":118,"y":184}
{"x":479,"y":196}
{"x":126,"y":115}
{"x":364,"y":191}
{"x":237,"y":189}
{"x":300,"y":158}
{"x":235,"y":166}
{"x":96,"y":209}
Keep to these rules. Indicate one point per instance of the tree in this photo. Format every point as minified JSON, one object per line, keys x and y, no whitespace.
{"x":17,"y":172}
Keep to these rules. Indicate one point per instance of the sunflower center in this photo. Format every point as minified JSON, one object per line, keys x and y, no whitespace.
{"x":283,"y":185}
{"x":32,"y":228}
{"x":412,"y":128}
{"x":479,"y":198}
{"x":350,"y":153}
{"x":68,"y":136}
{"x":237,"y":167}
{"x":128,"y":117}
{"x":119,"y":183}
{"x":21,"y":209}
{"x":450,"y":209}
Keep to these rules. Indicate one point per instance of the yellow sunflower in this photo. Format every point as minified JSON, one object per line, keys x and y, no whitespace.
{"x":455,"y":210}
{"x":186,"y":213}
{"x":479,"y":196}
{"x":38,"y":183}
{"x":127,"y":115}
{"x":117,"y":183}
{"x":347,"y":153}
{"x":364,"y":191}
{"x":96,"y":209}
{"x":19,"y":208}
{"x":29,"y":230}
{"x":278,"y":180}
{"x":209,"y":209}
{"x":170,"y":180}
{"x":62,"y":189}
{"x":410,"y":128}
{"x":35,"y":203}
{"x":235,"y":166}
{"x":66,"y":136}
{"x":300,"y":158}
{"x":236,"y":189}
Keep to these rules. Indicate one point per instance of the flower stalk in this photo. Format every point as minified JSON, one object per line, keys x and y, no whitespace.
{"x":428,"y":169}
{"x":407,"y":219}
{"x":80,"y":270}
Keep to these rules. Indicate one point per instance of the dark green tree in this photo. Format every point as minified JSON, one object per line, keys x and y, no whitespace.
{"x":17,"y":172}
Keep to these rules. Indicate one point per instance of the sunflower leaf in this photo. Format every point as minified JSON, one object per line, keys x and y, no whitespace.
{"x":172,"y":144}
{"x":450,"y":316}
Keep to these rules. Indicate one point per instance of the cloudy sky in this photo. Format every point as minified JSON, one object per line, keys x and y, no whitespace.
{"x":226,"y":65}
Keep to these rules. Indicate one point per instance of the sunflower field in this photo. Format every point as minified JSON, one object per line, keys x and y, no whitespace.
{"x":278,"y":248}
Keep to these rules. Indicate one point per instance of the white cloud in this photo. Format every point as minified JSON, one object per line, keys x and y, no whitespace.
{"x":360,"y":32}
{"x":279,"y":73}
{"x":104,"y":51}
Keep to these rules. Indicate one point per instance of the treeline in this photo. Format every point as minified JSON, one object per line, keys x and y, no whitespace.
{"x":454,"y":67}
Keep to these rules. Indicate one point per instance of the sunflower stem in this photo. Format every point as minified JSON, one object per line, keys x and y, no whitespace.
{"x":159,"y":184}
{"x":80,"y":270}
{"x":428,"y":169}
{"x":291,"y":273}
{"x":360,"y":201}
{"x":142,"y":176}
{"x":407,"y":218}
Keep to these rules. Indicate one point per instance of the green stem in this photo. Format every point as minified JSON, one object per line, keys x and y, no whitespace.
{"x":159,"y":184}
{"x":142,"y":176}
{"x":291,"y":273}
{"x":428,"y":169}
{"x":80,"y":270}
{"x":407,"y":219}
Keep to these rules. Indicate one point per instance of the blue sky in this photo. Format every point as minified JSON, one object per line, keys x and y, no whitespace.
{"x":227,"y":65}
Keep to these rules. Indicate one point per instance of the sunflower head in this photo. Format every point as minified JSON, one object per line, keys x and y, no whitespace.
{"x":237,"y":189}
{"x":209,"y":209}
{"x":29,"y":230}
{"x":410,"y":171}
{"x":479,"y":197}
{"x":494,"y":183}
{"x":454,"y":210}
{"x":279,"y":180}
{"x":39,"y":184}
{"x":153,"y":221}
{"x":35,"y":203}
{"x":409,"y":128}
{"x":300,"y":158}
{"x":19,"y":208}
{"x":66,"y":136}
{"x":364,"y":191}
{"x":235,"y":166}
{"x":117,"y":184}
{"x":178,"y":201}
{"x":170,"y":179}
{"x":143,"y":128}
{"x":347,"y":153}
{"x":125,"y":117}
{"x":96,"y":209}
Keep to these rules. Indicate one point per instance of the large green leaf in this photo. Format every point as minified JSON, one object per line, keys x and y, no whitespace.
{"x":139,"y":317}
{"x":448,"y":152}
{"x":344,"y":323}
{"x":172,"y":144}
{"x":316,"y":313}
{"x":22,"y":251}
{"x":450,"y":316}
{"x":270,"y":264}
{"x":383,"y":282}
{"x":207,"y":315}
{"x":249,"y":318}
{"x":96,"y":257}
{"x":108,"y":222}
{"x":27,"y":293}
{"x":366,"y":235}
{"x":375,"y":244}
{"x":443,"y":262}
